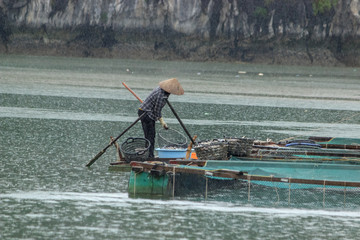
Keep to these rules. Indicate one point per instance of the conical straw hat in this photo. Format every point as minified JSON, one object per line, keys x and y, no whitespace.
{"x":172,"y":86}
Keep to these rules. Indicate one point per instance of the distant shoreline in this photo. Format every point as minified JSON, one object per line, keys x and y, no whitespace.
{"x":219,"y":51}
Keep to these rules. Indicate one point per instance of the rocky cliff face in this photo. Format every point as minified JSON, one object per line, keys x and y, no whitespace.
{"x":243,"y":30}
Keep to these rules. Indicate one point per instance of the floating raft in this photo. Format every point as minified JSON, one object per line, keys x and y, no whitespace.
{"x":339,"y":143}
{"x":241,"y":177}
{"x":313,"y":149}
{"x":314,"y":172}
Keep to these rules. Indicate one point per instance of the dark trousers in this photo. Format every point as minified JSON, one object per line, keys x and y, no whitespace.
{"x":148,"y":126}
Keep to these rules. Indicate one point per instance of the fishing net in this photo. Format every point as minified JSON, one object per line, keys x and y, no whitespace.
{"x":272,"y":192}
{"x":300,"y":174}
{"x":171,"y":138}
{"x":135,"y":149}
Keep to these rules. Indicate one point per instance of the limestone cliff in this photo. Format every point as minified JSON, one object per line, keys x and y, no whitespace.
{"x":304,"y":31}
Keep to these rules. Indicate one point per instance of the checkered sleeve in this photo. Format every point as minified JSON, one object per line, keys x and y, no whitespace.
{"x":159,"y":104}
{"x":154,"y":103}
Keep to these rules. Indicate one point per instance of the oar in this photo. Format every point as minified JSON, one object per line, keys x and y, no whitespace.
{"x":133,"y":93}
{"x":181,"y":123}
{"x":121,"y":159}
{"x":112,"y":142}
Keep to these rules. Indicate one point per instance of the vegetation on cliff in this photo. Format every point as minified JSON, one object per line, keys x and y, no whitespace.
{"x":5,"y":29}
{"x":269,"y":31}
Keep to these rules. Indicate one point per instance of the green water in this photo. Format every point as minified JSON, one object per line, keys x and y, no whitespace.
{"x":58,"y":113}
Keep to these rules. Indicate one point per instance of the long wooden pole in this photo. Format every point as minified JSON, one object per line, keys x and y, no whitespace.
{"x":188,"y":150}
{"x":133,"y":93}
{"x":118,"y":150}
{"x":181,"y":123}
{"x":112,"y":142}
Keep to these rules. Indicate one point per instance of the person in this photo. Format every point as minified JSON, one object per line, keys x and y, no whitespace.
{"x":153,"y":105}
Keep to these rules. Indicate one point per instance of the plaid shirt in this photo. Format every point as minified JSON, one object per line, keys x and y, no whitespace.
{"x":154,"y":103}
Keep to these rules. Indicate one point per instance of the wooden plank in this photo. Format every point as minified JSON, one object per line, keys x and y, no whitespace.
{"x":301,"y":181}
{"x":171,"y":168}
{"x":199,"y":163}
{"x":320,"y":139}
{"x":340,"y":146}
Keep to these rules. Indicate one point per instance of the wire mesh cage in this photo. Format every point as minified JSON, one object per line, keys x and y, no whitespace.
{"x":171,"y":138}
{"x":240,"y":146}
{"x":215,"y":149}
{"x":135,"y":149}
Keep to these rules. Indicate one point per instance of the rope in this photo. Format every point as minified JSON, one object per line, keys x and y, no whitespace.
{"x":324,"y":193}
{"x":249,"y":180}
{"x":276,"y":190}
{"x":344,"y":194}
{"x":289,"y":191}
{"x":173,"y":190}
{"x":206,"y":188}
{"x":135,"y":184}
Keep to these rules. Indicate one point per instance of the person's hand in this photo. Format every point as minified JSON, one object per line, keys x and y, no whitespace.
{"x":163,"y":123}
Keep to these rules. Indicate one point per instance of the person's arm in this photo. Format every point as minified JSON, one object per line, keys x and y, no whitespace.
{"x":160,"y":103}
